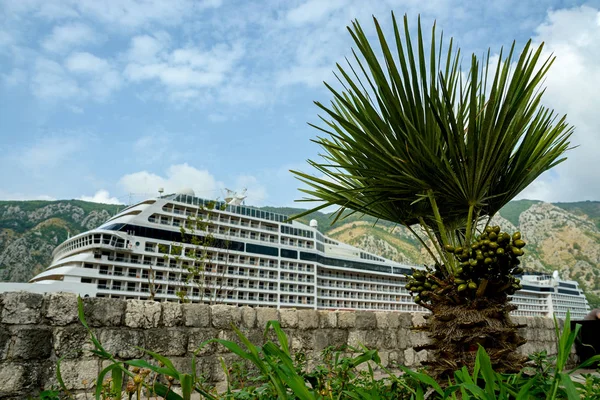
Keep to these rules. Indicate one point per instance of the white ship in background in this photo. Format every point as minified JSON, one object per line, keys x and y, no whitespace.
{"x":254,"y":257}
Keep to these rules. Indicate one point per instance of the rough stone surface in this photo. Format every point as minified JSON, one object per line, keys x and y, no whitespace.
{"x":327,"y":319}
{"x":71,"y":342}
{"x":104,"y":312}
{"x":167,"y":341}
{"x":365,"y":320}
{"x":21,"y":308}
{"x":28,"y":352}
{"x":223,"y":316}
{"x":288,"y":318}
{"x":308,"y":319}
{"x":196,"y":315}
{"x":13,"y":379}
{"x":346,"y":319}
{"x":197,"y":336}
{"x":142,"y":314}
{"x":248,"y":317}
{"x":5,"y":339}
{"x":123,"y":343}
{"x":62,"y":308}
{"x":418,"y":319}
{"x":76,"y":374}
{"x":264,"y":315}
{"x":172,"y":314}
{"x":31,"y":343}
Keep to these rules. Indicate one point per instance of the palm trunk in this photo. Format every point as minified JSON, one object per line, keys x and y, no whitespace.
{"x":457,"y":330}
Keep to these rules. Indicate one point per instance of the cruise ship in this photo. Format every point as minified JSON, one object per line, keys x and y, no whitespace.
{"x":247,"y":256}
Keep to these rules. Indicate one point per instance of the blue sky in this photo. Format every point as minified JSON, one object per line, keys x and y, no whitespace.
{"x":100,"y":99}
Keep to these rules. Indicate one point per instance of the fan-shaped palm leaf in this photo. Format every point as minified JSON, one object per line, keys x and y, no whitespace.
{"x":411,"y":138}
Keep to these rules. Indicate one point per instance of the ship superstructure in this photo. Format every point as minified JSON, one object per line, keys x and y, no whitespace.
{"x":246,"y":256}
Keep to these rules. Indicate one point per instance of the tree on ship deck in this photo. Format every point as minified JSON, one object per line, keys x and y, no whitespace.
{"x":411,"y":138}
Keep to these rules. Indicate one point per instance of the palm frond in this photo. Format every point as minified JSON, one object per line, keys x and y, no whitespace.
{"x":408,"y":122}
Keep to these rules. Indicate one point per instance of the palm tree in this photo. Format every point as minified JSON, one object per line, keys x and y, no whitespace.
{"x":411,"y":138}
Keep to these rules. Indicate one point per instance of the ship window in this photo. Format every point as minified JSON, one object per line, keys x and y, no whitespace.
{"x":86,"y":280}
{"x":289,"y":253}
{"x":259,"y":249}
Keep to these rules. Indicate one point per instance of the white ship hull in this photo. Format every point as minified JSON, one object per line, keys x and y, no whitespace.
{"x":255,"y":258}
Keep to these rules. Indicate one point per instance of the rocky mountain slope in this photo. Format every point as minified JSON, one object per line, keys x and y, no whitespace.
{"x":562,"y":236}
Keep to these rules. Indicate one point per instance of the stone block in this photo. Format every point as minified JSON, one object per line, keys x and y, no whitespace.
{"x":418,"y":319}
{"x":549,"y":323}
{"x":5,"y":337}
{"x":346,"y":319}
{"x":197,"y":336}
{"x":104,"y":312}
{"x":248,"y":317}
{"x":264,"y":315}
{"x":31,"y":343}
{"x":520,"y":320}
{"x":330,"y":337}
{"x":366,"y":320}
{"x":142,"y":314}
{"x":356,"y":338}
{"x":413,"y":359}
{"x":377,"y":339}
{"x":405,"y":320}
{"x":403,"y":338}
{"x":327,"y":319}
{"x":167,"y":342}
{"x":308,"y":319}
{"x":223,"y":316}
{"x":301,"y":340}
{"x":288,"y":318}
{"x":418,"y":338}
{"x":76,"y":374}
{"x":382,"y":320}
{"x":393,"y":320}
{"x":196,"y":315}
{"x":61,"y":308}
{"x":172,"y":314}
{"x":71,"y":341}
{"x":123,"y":343}
{"x":21,"y":308}
{"x":13,"y":378}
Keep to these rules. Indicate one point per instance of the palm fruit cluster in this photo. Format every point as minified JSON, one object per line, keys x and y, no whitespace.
{"x":424,"y":283}
{"x":493,"y":257}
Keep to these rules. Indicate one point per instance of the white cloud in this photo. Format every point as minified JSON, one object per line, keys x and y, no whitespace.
{"x":176,"y":178}
{"x":573,"y":36}
{"x":182,"y":176}
{"x":183,"y":68}
{"x":256,"y":194}
{"x":122,"y":14}
{"x":101,"y":196}
{"x":66,"y":37}
{"x":100,"y":78}
{"x":313,"y":11}
{"x":50,"y":81}
{"x":145,"y":48}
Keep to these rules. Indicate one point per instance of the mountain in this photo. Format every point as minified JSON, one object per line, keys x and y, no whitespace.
{"x":561,"y":236}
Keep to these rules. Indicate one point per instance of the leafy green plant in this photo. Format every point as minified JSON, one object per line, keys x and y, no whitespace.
{"x":142,"y":376}
{"x":413,"y":139}
{"x":280,"y":374}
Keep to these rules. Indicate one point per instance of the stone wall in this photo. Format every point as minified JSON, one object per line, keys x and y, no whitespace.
{"x":37,"y":330}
